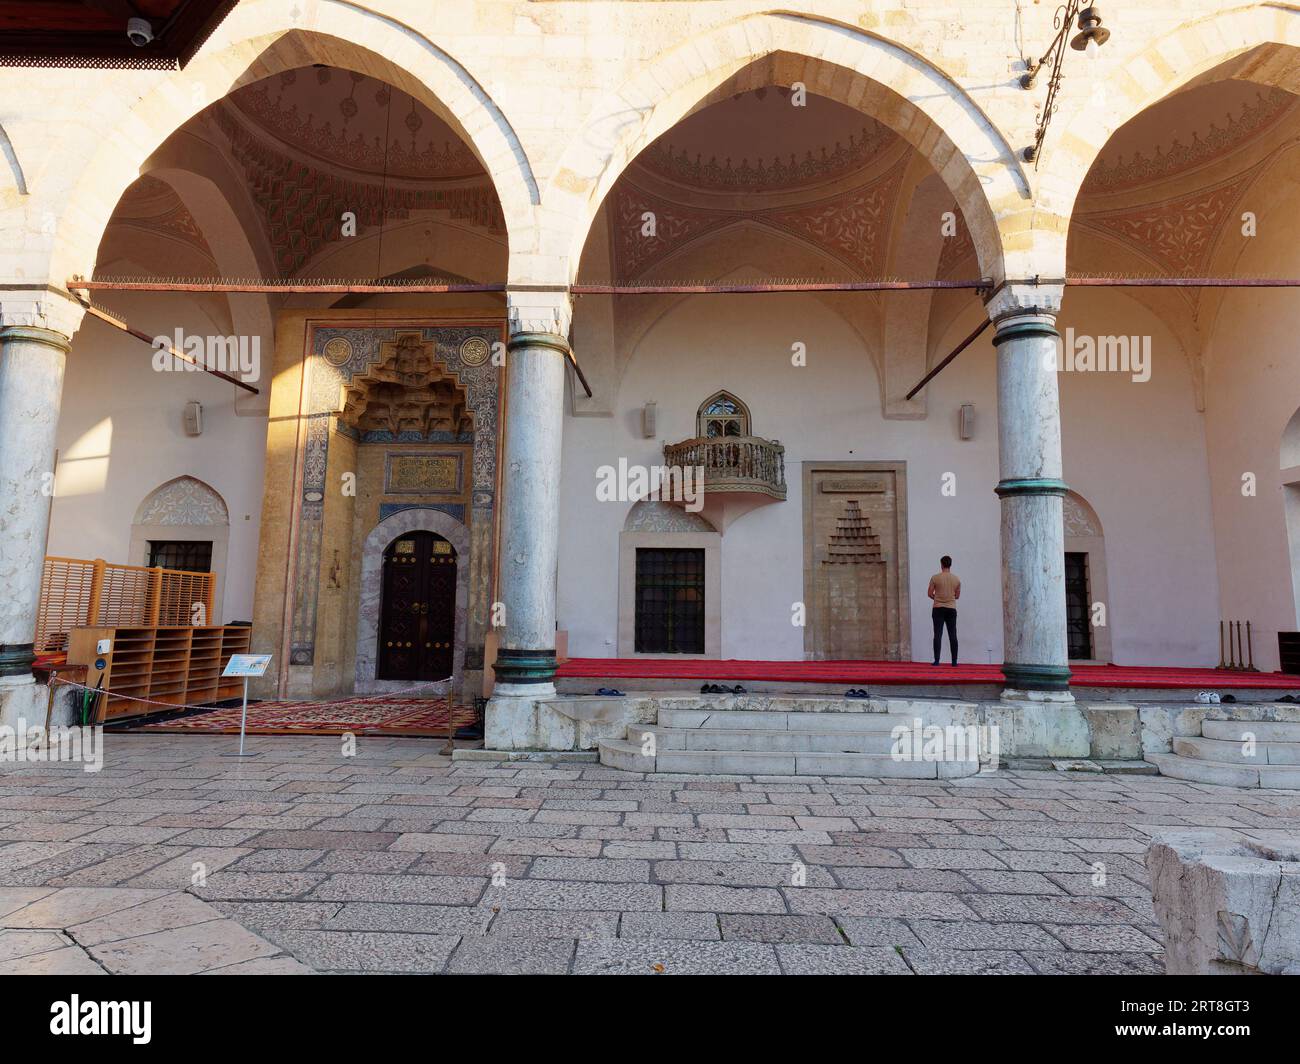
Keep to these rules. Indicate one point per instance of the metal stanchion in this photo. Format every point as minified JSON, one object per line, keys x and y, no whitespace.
{"x":447,"y":750}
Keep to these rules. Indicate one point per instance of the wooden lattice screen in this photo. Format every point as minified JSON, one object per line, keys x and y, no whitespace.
{"x":76,"y":593}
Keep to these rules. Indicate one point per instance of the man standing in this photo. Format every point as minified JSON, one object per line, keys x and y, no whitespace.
{"x":944,"y":591}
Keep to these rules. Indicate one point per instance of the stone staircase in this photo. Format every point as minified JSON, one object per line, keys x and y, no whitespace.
{"x":788,"y":737}
{"x":1220,"y":754}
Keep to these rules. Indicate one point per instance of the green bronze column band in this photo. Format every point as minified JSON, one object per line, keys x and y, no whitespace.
{"x":551,"y":340}
{"x":524,"y":666}
{"x":1031,"y":486}
{"x":1025,"y":330}
{"x":34,"y":334}
{"x":16,"y":659}
{"x":1036,"y":677}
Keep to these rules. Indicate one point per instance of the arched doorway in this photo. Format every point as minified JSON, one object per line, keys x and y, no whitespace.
{"x":1087,"y":627}
{"x":417,"y":611}
{"x":184,"y":524}
{"x":1290,"y":479}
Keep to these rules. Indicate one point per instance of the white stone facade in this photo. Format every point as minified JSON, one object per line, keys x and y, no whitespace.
{"x":555,"y":103}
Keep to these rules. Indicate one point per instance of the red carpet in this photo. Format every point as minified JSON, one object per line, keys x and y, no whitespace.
{"x":885,"y":673}
{"x":395,"y":716}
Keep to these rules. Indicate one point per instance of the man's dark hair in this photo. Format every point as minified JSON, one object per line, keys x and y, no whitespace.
{"x":945,"y":562}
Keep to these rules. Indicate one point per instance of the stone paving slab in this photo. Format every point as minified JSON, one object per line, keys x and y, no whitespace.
{"x":176,"y":859}
{"x":120,"y":931}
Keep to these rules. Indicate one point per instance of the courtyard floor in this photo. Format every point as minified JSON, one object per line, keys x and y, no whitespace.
{"x":175,"y":858}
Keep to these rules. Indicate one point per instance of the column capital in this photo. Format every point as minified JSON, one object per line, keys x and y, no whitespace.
{"x":1016,"y":299}
{"x":40,"y":306}
{"x":539,"y":310}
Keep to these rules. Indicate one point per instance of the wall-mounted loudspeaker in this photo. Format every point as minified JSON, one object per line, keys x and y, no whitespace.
{"x":193,"y":418}
{"x":966,"y":421}
{"x":648,"y":420}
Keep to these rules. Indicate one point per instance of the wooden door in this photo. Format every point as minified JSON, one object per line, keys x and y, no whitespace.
{"x":417,"y":621}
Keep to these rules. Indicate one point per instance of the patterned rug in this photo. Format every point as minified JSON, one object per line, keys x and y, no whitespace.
{"x":395,"y":716}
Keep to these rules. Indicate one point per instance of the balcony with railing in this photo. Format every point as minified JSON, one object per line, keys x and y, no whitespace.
{"x":748,"y":465}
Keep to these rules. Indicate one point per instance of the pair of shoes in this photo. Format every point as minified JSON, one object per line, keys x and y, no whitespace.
{"x":856,"y":692}
{"x":1287,"y":698}
{"x":609,"y":692}
{"x":1207,"y":696}
{"x":720,"y":689}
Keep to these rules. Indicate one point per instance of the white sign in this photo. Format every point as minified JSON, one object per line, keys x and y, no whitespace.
{"x":247,"y":665}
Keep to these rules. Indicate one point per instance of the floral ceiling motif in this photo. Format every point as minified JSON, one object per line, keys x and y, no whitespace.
{"x":1257,"y":116}
{"x":852,"y":226}
{"x":956,"y":250}
{"x":411,"y":141}
{"x":152,"y":204}
{"x":664,"y":160}
{"x":303,"y":206}
{"x":1178,"y":234}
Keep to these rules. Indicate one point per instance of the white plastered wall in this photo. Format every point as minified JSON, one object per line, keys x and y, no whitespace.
{"x":1135,"y":451}
{"x":121,"y":436}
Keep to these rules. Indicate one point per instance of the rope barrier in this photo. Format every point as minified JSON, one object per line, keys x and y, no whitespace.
{"x":386,"y":697}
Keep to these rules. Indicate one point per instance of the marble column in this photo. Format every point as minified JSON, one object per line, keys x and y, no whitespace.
{"x":1035,"y":654}
{"x":34,"y":342}
{"x":530,"y":517}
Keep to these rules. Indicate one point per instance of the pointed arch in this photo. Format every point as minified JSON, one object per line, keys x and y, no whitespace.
{"x":1256,"y":43}
{"x":342,"y":34}
{"x":1086,"y":579}
{"x":861,"y":70}
{"x":185,"y":509}
{"x":722,"y":414}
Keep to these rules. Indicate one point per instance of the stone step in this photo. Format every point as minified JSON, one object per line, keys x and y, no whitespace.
{"x":1224,"y":774}
{"x":1262,"y":730}
{"x":756,"y":720}
{"x":625,"y":754}
{"x":764,"y":741}
{"x":619,"y":753}
{"x":1233,"y":751}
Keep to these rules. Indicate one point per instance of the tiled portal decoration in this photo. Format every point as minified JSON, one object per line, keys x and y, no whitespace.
{"x":854,"y":580}
{"x":334,"y":355}
{"x":422,"y":474}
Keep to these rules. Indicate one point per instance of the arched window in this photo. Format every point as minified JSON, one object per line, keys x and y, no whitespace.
{"x":722,"y":414}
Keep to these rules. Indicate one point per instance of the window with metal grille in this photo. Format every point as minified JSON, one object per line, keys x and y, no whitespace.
{"x":669,"y":601}
{"x":192,"y":555}
{"x":1078,"y":609}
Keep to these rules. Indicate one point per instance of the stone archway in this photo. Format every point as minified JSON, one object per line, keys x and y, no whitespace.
{"x":1084,"y":535}
{"x":261,"y":38}
{"x":863,"y":71}
{"x":1256,"y":43}
{"x":415,"y":519}
{"x":184,"y":509}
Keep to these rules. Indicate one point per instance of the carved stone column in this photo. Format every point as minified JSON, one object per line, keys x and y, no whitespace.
{"x":530,"y":516}
{"x":1035,"y":649}
{"x":35,"y":331}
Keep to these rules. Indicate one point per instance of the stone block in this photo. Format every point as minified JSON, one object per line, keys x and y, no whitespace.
{"x":1227,"y":906}
{"x":1047,"y":729}
{"x":1114,"y":730}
